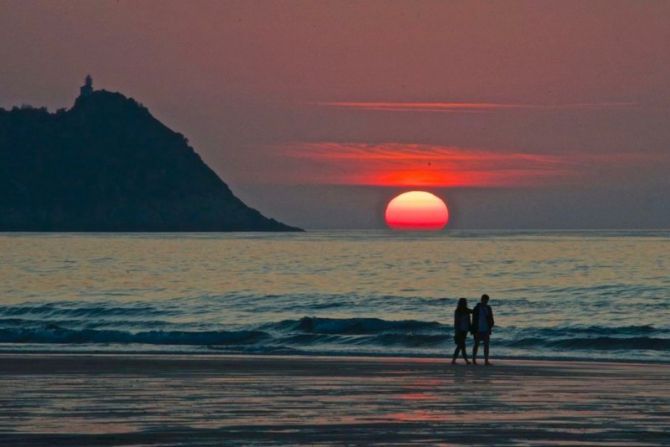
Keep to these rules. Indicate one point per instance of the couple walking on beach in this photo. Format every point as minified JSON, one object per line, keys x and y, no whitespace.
{"x":480,"y":325}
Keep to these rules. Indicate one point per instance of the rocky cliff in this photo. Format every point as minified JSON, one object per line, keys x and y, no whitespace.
{"x":107,"y":164}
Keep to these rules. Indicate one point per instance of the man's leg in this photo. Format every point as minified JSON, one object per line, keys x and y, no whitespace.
{"x":475,"y":348}
{"x":486,"y":350}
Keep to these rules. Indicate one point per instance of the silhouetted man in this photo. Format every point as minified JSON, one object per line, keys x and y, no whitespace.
{"x":482,"y":324}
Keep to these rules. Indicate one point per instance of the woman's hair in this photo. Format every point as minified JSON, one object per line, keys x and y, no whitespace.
{"x":462,"y":305}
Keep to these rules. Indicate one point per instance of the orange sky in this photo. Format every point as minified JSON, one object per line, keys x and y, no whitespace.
{"x":519,"y":104}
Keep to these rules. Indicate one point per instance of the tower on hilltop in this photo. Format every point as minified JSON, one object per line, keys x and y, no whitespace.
{"x":87,"y":88}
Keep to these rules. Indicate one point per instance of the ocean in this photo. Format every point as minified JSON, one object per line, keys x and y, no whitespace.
{"x":573,"y":294}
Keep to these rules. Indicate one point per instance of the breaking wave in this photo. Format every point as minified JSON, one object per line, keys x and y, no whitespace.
{"x":314,"y":335}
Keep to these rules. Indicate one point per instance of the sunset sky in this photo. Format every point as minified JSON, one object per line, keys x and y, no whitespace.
{"x":530,"y":114}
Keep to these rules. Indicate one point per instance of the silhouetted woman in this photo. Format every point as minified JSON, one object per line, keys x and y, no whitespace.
{"x":461,"y":328}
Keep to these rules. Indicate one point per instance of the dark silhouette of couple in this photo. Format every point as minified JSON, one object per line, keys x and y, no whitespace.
{"x":480,"y":325}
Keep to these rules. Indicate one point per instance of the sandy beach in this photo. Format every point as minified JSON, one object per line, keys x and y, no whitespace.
{"x":124,"y":400}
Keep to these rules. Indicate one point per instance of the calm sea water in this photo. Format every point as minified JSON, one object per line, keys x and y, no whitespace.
{"x":566,"y":294}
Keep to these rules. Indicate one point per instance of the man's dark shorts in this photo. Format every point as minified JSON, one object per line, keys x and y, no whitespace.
{"x":482,"y":336}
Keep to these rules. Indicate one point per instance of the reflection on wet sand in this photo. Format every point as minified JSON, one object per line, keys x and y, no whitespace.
{"x":163,"y":400}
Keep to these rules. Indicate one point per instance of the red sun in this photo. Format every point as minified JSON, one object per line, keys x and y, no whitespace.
{"x":417,"y":210}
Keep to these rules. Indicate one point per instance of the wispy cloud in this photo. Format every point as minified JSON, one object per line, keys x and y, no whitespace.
{"x":398,"y":164}
{"x":451,"y":107}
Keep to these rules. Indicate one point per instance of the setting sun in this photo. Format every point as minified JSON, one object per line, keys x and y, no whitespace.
{"x":417,"y":210}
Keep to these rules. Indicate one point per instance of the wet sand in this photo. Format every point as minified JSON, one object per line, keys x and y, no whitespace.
{"x":132,"y":400}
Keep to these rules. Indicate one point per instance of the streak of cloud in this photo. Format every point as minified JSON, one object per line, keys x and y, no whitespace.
{"x":452,"y":107}
{"x":398,"y":164}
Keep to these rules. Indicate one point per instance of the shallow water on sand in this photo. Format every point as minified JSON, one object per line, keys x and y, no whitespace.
{"x":554,"y":294}
{"x":119,"y":400}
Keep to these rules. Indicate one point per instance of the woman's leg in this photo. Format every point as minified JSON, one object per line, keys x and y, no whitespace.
{"x":455,"y":356}
{"x":465,"y":352}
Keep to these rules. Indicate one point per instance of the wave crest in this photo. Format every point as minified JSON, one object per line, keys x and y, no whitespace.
{"x":52,"y":334}
{"x":316,"y":334}
{"x":355,"y":325}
